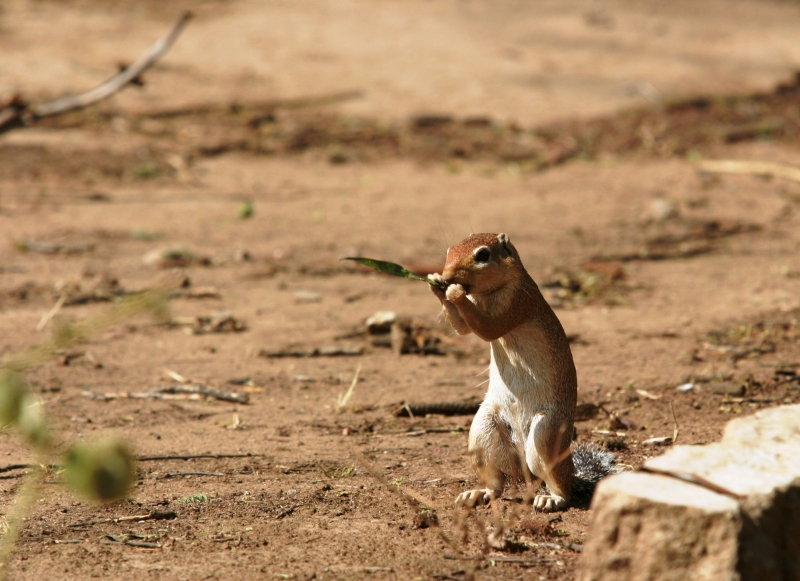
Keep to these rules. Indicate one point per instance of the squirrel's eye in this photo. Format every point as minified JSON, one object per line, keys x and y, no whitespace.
{"x":483,"y":255}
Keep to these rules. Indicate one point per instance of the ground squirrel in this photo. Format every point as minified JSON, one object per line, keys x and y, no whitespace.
{"x":525,"y":422}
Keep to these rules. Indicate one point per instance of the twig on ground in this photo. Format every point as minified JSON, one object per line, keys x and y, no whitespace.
{"x":677,"y":428}
{"x":197,"y":457}
{"x":413,"y":499}
{"x":448,"y":408}
{"x":341,"y":400}
{"x":141,"y":544}
{"x":175,"y":390}
{"x":693,"y":479}
{"x":155,"y":515}
{"x":343,"y":351}
{"x":17,"y":113}
{"x":175,"y":376}
{"x":763,"y":168}
{"x":47,"y":317}
{"x":113,"y":85}
{"x":502,"y":559}
{"x":11,"y":467}
{"x":194,"y":473}
{"x":289,"y":510}
{"x":207,"y":391}
{"x":266,"y":107}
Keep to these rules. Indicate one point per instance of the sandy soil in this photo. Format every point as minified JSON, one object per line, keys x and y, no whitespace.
{"x":661,"y":274}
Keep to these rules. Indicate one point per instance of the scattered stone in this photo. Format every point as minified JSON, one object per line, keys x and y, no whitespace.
{"x":219,"y":322}
{"x":409,"y":335}
{"x":727,"y":388}
{"x":659,"y":441}
{"x":380,"y":322}
{"x":307,"y":296}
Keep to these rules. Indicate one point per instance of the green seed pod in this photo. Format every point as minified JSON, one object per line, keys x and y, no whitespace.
{"x":32,"y":422}
{"x":102,"y":470}
{"x":12,"y":392}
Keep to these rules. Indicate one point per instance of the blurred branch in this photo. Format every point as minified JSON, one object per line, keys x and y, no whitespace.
{"x":15,"y":112}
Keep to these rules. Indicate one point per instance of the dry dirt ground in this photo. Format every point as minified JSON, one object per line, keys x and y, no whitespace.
{"x":574,"y":127}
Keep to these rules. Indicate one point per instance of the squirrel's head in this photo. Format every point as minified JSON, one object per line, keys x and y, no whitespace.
{"x":482,"y":263}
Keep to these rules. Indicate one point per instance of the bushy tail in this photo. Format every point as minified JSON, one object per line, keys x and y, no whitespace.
{"x":591,"y":464}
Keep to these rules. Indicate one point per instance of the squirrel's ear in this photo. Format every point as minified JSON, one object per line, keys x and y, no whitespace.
{"x":505,"y":242}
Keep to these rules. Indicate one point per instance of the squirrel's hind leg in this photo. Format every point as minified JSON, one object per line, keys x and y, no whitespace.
{"x":547,"y":452}
{"x":493,"y":456}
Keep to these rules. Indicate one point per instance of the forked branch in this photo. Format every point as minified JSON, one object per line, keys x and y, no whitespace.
{"x":17,"y":113}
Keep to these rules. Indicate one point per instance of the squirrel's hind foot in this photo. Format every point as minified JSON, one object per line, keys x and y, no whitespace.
{"x":549,"y":503}
{"x":471,"y":498}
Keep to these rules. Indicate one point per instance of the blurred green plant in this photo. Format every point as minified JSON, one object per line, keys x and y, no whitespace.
{"x":146,"y":170}
{"x":246,"y":210}
{"x":197,"y":497}
{"x":100,"y":471}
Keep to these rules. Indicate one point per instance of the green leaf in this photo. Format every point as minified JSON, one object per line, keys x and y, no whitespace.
{"x":392,"y":268}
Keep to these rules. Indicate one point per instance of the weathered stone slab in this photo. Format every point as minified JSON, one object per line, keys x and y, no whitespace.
{"x":659,"y":528}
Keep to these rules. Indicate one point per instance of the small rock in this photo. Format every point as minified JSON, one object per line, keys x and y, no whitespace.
{"x":380,"y":322}
{"x":307,"y":296}
{"x":727,"y":388}
{"x":660,"y":441}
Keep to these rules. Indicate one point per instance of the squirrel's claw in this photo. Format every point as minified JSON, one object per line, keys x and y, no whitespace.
{"x":471,"y":498}
{"x":455,"y":292}
{"x":548,"y":503}
{"x":437,"y":278}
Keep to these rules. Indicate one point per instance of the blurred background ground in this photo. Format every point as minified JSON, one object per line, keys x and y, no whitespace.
{"x":386,"y":129}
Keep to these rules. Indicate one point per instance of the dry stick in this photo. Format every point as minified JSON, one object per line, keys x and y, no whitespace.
{"x":693,"y":479}
{"x":47,"y":317}
{"x":155,"y":515}
{"x":502,"y":559}
{"x":341,"y":400}
{"x":411,"y":498}
{"x":11,"y":467}
{"x":141,"y":544}
{"x":292,"y":103}
{"x":677,"y":428}
{"x":113,"y":85}
{"x":197,"y":457}
{"x":16,"y":518}
{"x":164,"y":392}
{"x":207,"y":391}
{"x":450,"y":408}
{"x":750,"y":167}
{"x":195,"y":473}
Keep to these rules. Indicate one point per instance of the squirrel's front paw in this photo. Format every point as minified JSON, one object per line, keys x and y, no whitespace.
{"x":455,"y":292}
{"x":437,"y":290}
